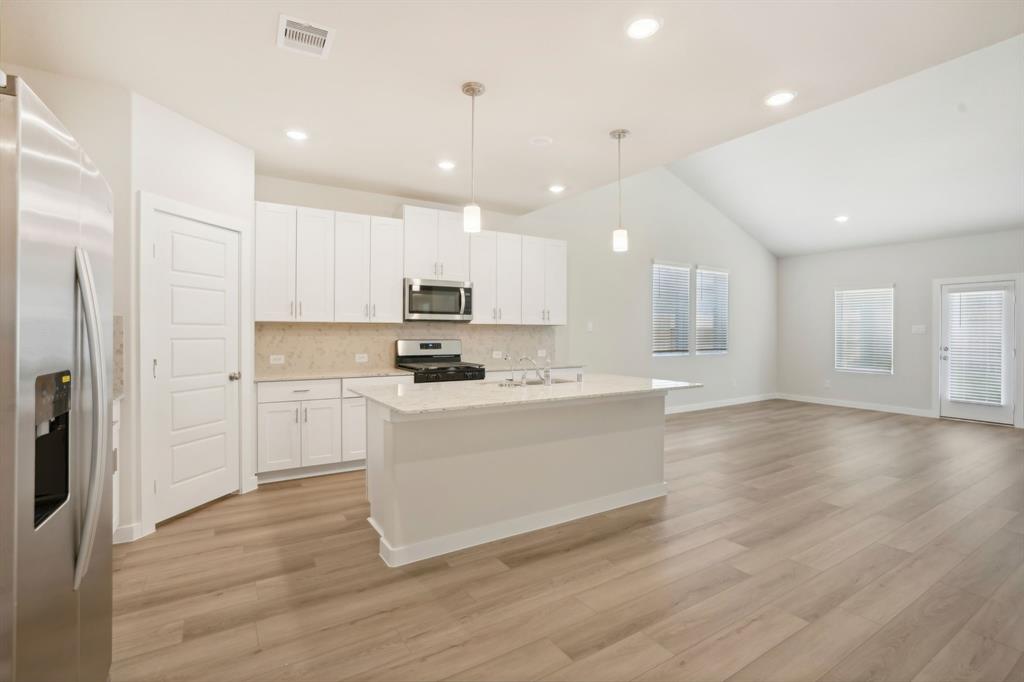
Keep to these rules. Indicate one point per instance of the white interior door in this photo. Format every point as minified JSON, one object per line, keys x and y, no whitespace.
{"x":977,"y":352}
{"x":193,"y":399}
{"x":352,"y":267}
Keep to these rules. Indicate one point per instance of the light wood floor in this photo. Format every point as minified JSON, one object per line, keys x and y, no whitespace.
{"x":799,"y":542}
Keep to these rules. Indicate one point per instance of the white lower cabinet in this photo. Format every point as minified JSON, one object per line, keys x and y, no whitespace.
{"x":298,"y":424}
{"x":353,"y":425}
{"x":321,"y":432}
{"x":279,"y":437}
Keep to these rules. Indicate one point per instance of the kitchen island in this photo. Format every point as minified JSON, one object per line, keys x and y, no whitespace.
{"x":457,"y":464}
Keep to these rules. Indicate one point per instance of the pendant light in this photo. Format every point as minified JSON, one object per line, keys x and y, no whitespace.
{"x":620,"y":237}
{"x":471,"y":221}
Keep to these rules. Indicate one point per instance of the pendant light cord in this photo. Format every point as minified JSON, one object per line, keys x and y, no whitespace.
{"x":472,"y":149}
{"x":620,"y":181}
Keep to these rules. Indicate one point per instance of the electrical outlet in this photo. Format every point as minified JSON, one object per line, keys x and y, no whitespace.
{"x":590,"y":325}
{"x":362,"y":357}
{"x":277,"y":359}
{"x":497,"y":354}
{"x":541,"y":353}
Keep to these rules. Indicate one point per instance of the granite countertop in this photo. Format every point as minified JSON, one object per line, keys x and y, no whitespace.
{"x":465,"y":395}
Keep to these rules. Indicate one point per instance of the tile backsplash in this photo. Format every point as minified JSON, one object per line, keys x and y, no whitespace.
{"x":332,"y":347}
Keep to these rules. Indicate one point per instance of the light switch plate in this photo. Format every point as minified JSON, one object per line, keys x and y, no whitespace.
{"x":496,"y":354}
{"x":277,"y":359}
{"x":918,"y":329}
{"x":541,"y":353}
{"x":362,"y":357}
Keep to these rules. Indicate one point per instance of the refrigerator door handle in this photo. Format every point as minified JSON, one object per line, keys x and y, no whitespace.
{"x":87,"y":287}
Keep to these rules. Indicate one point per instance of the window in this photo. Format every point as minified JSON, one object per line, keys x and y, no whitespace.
{"x":864,"y":330}
{"x":712,"y":311}
{"x":670,"y":309}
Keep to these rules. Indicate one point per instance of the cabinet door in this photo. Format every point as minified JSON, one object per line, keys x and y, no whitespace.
{"x":353,"y":429}
{"x":482,"y":259}
{"x":452,"y":246}
{"x":321,"y":432}
{"x":351,"y":267}
{"x":278,"y":443}
{"x":509,"y":278}
{"x":421,"y":243}
{"x":274,"y":263}
{"x":556,"y":282}
{"x":534,"y":310}
{"x":314,"y":265}
{"x":386,"y":270}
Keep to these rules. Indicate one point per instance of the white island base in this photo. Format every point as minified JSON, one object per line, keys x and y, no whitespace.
{"x":443,"y":480}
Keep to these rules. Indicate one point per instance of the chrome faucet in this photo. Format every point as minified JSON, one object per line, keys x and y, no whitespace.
{"x":544,"y":378}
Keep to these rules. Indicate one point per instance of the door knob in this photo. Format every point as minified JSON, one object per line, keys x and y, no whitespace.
{"x":234,"y":376}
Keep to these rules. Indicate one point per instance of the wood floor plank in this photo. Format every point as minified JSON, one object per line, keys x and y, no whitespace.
{"x":765,"y":561}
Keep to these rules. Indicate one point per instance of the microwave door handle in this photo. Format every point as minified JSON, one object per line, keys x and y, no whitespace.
{"x":87,"y":287}
{"x":462,"y":300}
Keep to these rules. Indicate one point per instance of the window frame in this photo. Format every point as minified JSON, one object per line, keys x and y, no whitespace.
{"x":690,"y":269}
{"x":892,"y":333}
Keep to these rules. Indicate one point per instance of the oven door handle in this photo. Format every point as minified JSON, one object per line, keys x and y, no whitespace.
{"x":462,"y":300}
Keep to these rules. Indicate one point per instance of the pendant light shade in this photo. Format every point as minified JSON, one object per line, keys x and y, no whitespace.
{"x":471,"y":220}
{"x":620,"y":236}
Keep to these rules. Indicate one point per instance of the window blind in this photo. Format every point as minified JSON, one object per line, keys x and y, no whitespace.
{"x":863,"y":320}
{"x":712,"y":311}
{"x":670,"y":309}
{"x":976,"y":326}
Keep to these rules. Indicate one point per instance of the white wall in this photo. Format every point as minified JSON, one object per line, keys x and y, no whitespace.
{"x":282,"y":191}
{"x":667,"y":221}
{"x":176,"y":158}
{"x":806,"y":286}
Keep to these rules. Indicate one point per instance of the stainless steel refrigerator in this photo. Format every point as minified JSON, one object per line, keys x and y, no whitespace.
{"x":56,"y":272}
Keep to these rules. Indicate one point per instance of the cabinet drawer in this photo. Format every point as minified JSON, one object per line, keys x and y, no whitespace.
{"x":280,"y":391}
{"x":349,"y":384}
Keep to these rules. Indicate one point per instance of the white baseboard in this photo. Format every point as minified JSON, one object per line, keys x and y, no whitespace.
{"x":710,"y":405}
{"x":407,"y":554}
{"x":875,"y":407}
{"x":128,"y":533}
{"x":307,"y":472}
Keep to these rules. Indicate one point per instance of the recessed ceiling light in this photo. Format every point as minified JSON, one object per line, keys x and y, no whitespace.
{"x":556,"y":189}
{"x":298,"y":135}
{"x":541,"y":141}
{"x":780,"y":98}
{"x":446,"y":165}
{"x":642,"y":28}
{"x":842,"y":218}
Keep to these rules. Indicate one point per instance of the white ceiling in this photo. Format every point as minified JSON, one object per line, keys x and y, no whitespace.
{"x":934,"y":154}
{"x":386,"y":105}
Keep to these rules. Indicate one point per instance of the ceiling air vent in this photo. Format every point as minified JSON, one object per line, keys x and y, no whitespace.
{"x":300,"y":36}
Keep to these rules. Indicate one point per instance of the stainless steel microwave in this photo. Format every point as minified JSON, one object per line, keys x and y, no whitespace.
{"x":437,"y":299}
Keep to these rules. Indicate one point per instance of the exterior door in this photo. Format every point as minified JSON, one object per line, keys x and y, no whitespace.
{"x":977,"y":352}
{"x":352,"y":268}
{"x":386,"y":270}
{"x":194,"y":332}
{"x":275,"y":263}
{"x":314,"y":265}
{"x":482,"y":260}
{"x":321,"y":432}
{"x":279,"y":436}
{"x":509,"y":271}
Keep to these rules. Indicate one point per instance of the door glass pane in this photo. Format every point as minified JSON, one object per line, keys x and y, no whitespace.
{"x":976,"y":322}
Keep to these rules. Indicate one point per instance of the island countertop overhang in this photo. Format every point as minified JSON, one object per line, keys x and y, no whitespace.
{"x":434,"y":398}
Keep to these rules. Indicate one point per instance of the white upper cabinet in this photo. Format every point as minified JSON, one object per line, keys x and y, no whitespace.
{"x":275,"y":262}
{"x":386,"y":270}
{"x":351,"y":267}
{"x":496,"y":272}
{"x":483,"y":256}
{"x":436,"y":247}
{"x":544,"y":281}
{"x":556,"y":281}
{"x":421,"y":243}
{"x":452,"y":246}
{"x":314,"y":265}
{"x":509,"y":275}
